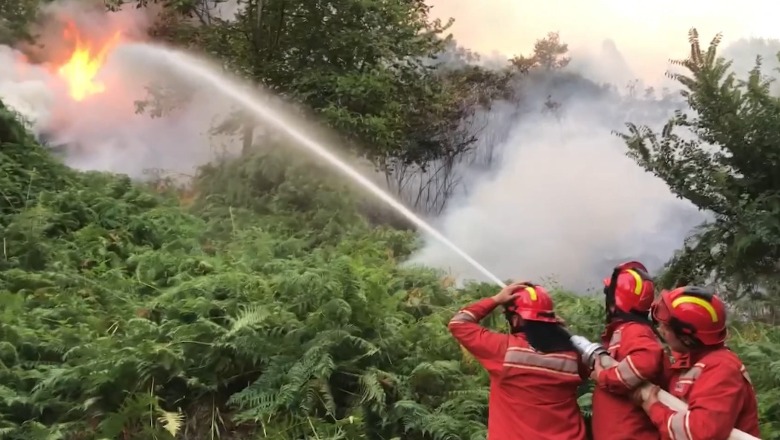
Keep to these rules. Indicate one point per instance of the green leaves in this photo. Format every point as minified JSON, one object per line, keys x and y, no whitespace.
{"x":367,"y":68}
{"x":261,"y":302}
{"x":724,"y":162}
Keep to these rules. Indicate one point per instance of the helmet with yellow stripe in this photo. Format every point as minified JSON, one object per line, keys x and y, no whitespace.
{"x":630,"y":288}
{"x":532,"y":303}
{"x":693,"y":313}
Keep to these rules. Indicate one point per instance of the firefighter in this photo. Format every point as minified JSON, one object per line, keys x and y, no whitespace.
{"x":630,"y":340}
{"x":534,"y":369}
{"x":705,"y":374}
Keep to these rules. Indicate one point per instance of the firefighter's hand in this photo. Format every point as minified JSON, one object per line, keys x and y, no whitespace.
{"x":597,"y":369}
{"x":652,"y":397}
{"x":636,"y":396}
{"x":508,"y":293}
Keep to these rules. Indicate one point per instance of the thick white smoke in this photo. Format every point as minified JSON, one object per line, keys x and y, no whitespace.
{"x":28,"y":89}
{"x":563,"y":201}
{"x":105,"y":131}
{"x":559,"y":198}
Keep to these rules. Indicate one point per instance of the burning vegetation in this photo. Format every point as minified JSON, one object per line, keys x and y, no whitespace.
{"x":83,"y":66}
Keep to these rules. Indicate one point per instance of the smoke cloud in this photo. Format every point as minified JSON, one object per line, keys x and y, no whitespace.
{"x":647,"y":33}
{"x":105,"y":131}
{"x":551,"y":193}
{"x":563,"y":202}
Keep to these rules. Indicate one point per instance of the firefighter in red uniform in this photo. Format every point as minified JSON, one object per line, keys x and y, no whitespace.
{"x":709,"y":377}
{"x":630,"y":340}
{"x":534,"y":370}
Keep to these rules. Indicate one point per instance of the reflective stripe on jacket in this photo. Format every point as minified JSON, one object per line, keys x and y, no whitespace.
{"x":641,"y":358}
{"x":720,"y":397}
{"x":532,"y":395}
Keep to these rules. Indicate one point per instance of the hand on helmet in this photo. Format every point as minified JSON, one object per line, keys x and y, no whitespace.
{"x":508,"y":293}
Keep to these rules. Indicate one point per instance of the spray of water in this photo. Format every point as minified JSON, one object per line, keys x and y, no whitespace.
{"x":191,"y":67}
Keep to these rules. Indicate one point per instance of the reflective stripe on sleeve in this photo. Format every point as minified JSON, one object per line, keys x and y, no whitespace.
{"x":628,"y":374}
{"x":463,"y":316}
{"x":678,"y":426}
{"x":526,"y":358}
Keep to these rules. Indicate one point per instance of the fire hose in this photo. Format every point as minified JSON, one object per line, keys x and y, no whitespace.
{"x":593,"y":352}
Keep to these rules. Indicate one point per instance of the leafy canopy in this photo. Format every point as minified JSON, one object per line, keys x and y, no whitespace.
{"x":722,"y":155}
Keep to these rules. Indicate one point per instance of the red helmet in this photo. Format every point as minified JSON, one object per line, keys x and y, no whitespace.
{"x":694,"y":312}
{"x":532,"y":303}
{"x":630,"y":287}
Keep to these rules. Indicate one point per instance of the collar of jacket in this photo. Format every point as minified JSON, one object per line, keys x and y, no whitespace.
{"x":606,"y":336}
{"x":683,"y":361}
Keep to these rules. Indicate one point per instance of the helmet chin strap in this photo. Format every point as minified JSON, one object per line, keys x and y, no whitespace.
{"x":512,"y":328}
{"x":690,"y":342}
{"x":638,"y":317}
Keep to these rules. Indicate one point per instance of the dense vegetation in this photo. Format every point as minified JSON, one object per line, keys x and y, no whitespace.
{"x":261,"y":301}
{"x":736,"y":181}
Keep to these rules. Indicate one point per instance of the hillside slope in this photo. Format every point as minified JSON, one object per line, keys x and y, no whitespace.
{"x":256,"y":304}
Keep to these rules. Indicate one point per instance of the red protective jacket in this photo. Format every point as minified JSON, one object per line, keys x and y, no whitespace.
{"x":533,"y":396}
{"x":641,"y":358}
{"x":720,"y":397}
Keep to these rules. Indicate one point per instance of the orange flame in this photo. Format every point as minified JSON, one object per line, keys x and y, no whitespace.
{"x":84,"y":64}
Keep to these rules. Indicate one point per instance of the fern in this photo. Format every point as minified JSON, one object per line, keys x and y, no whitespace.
{"x":268,"y":307}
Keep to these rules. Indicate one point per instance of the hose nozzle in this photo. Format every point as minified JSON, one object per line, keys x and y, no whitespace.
{"x":590,"y":351}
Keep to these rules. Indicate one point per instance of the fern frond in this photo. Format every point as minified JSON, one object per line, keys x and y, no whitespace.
{"x":171,"y":421}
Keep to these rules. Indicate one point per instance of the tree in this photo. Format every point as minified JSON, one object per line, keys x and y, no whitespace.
{"x":361,"y":65}
{"x":15,"y":16}
{"x":267,"y":307}
{"x":726,"y":164}
{"x":259,"y":302}
{"x":549,"y":54}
